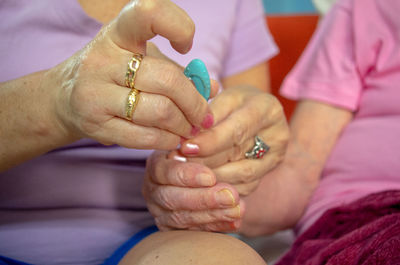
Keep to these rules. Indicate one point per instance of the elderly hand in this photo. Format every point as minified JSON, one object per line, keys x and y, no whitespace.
{"x":185,"y":196}
{"x":181,"y":192}
{"x":240,"y":113}
{"x":90,"y":91}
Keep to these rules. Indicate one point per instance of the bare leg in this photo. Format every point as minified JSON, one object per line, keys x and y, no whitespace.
{"x":192,"y":248}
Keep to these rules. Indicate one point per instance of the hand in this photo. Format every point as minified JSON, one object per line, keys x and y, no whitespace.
{"x":240,"y":114}
{"x":185,"y":196}
{"x":89,"y":92}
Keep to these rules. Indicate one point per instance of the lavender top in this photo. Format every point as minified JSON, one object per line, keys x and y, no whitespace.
{"x":77,"y":204}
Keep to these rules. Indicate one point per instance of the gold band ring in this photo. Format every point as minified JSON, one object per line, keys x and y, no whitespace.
{"x":130,"y":76}
{"x":133,"y":66}
{"x":131,"y":103}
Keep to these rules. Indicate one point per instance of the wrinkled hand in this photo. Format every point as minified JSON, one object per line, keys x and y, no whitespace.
{"x":89,"y":92}
{"x":240,"y":114}
{"x":186,"y":196}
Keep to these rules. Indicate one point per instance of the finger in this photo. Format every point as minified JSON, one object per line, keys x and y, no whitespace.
{"x":181,"y":198}
{"x":187,"y":219}
{"x":276,"y":137}
{"x":219,"y":226}
{"x":235,"y":129}
{"x":141,"y":20}
{"x":222,"y":226}
{"x":172,"y":172}
{"x":124,"y":133}
{"x":247,"y":188}
{"x":214,"y":88}
{"x":246,"y":170}
{"x":164,"y":78}
{"x":155,"y":52}
{"x":232,"y":154}
{"x":222,"y":220}
{"x":151,"y":110}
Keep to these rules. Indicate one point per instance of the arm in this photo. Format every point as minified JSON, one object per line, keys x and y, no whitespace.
{"x":190,"y":191}
{"x":282,"y":196}
{"x":86,"y":95}
{"x":257,"y":76}
{"x":29,"y":126}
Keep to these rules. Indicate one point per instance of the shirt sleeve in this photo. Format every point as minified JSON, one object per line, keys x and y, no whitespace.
{"x":327,"y":70}
{"x":251,"y":41}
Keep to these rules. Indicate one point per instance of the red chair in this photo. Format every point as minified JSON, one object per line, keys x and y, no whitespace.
{"x":291,"y":34}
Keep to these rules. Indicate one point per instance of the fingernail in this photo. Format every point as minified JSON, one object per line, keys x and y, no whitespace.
{"x":190,"y":149}
{"x":235,"y":225}
{"x":208,"y":121}
{"x":179,"y":158}
{"x":188,"y":48}
{"x":195,"y":131}
{"x":225,"y":198}
{"x":233,"y":212}
{"x":205,"y":180}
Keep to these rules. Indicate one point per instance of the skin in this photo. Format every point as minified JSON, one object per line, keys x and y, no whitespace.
{"x":280,"y":199}
{"x":284,"y":193}
{"x":61,"y":110}
{"x":85,"y":96}
{"x":191,"y":247}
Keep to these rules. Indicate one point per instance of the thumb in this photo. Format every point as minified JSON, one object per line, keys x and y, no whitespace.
{"x":141,"y":20}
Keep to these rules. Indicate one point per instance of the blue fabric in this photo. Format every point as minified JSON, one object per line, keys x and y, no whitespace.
{"x":114,"y":259}
{"x":8,"y":261}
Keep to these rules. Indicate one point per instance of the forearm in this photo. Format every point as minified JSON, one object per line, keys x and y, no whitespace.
{"x":257,"y":76}
{"x":315,"y":128}
{"x":28,"y":122}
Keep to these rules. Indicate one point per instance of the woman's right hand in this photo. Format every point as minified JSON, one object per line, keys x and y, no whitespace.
{"x":90,"y":93}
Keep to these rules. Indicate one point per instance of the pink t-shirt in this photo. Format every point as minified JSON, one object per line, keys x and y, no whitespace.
{"x":77,"y":204}
{"x":353,"y":62}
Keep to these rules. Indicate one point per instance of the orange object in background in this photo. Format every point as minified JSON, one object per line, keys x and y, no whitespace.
{"x":291,"y":34}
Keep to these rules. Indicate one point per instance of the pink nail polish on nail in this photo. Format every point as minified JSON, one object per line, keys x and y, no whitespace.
{"x":208,"y":121}
{"x":195,"y":131}
{"x":179,"y":158}
{"x":190,"y":149}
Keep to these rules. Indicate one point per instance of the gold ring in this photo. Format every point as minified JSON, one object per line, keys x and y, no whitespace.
{"x":133,"y":66}
{"x":131,"y":103}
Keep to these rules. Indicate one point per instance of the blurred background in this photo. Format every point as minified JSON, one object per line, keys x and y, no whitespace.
{"x":292,"y":23}
{"x":289,"y":7}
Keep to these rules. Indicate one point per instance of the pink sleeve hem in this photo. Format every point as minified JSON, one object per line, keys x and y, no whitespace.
{"x":347,"y":99}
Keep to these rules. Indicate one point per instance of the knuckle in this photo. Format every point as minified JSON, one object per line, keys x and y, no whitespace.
{"x":170,"y":77}
{"x":164,"y":111}
{"x":178,"y":219}
{"x":236,"y":154}
{"x":182,"y":177}
{"x":161,"y":225}
{"x":247,"y":173}
{"x":152,"y":138}
{"x":276,"y":109}
{"x":164,"y":198}
{"x":244,"y":191}
{"x":199,"y":109}
{"x":239,"y":133}
{"x":154,"y":210}
{"x":145,"y":7}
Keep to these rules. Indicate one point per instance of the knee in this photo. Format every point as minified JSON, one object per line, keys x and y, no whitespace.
{"x":191,"y":247}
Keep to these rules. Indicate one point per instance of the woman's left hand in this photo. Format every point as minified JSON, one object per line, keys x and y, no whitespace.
{"x":186,"y":196}
{"x":240,"y":114}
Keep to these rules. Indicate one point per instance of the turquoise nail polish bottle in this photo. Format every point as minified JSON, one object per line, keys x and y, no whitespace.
{"x":196,"y":71}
